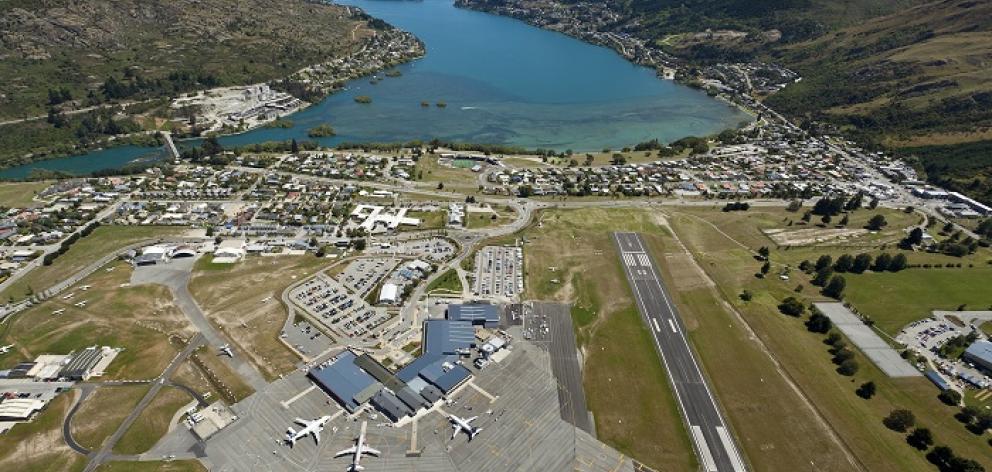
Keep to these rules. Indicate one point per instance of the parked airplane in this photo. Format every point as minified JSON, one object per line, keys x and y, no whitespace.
{"x":58,"y":312}
{"x":226,"y":350}
{"x":6,"y":349}
{"x":459,"y":424}
{"x":309,"y":428}
{"x":357,"y":450}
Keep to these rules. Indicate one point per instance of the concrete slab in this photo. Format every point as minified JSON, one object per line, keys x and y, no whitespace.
{"x":868,"y":341}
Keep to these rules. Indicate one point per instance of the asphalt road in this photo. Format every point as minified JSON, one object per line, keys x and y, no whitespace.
{"x":712,"y":440}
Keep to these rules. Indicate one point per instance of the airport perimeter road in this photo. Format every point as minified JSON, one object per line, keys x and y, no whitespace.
{"x":712,"y":440}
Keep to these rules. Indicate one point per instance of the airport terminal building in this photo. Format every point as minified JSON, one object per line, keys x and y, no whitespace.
{"x":354,"y":379}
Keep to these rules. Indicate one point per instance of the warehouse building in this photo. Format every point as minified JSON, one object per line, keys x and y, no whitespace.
{"x":344,"y":381}
{"x":980,"y":354}
{"x":81,"y":364}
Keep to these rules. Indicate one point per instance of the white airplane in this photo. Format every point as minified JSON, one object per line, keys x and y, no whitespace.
{"x":82,"y":304}
{"x":309,"y":428}
{"x":459,"y":425}
{"x":58,"y":312}
{"x":357,"y":450}
{"x":226,"y":350}
{"x":6,"y":349}
{"x":85,"y":287}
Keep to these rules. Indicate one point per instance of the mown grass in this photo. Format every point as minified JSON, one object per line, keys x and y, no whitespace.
{"x":894,"y":300}
{"x":20,"y":194}
{"x":153,"y":466}
{"x":153,"y":422}
{"x":805,"y":359}
{"x":103,"y":412}
{"x":37,"y":446}
{"x":99,"y":243}
{"x":446,"y":282}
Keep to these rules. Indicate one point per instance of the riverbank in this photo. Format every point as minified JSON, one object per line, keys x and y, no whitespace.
{"x":381,"y":48}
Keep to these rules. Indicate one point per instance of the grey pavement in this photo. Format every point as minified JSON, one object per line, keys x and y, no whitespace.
{"x":565,"y":364}
{"x":710,"y":434}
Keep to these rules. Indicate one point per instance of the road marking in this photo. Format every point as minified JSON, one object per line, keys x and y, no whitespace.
{"x":672,"y":324}
{"x":309,"y":389}
{"x":728,"y":446}
{"x":656,"y":327}
{"x":704,"y":449}
{"x":643,"y":259}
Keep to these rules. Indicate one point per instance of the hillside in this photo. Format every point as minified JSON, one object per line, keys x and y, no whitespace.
{"x":75,"y":47}
{"x":917,"y":82}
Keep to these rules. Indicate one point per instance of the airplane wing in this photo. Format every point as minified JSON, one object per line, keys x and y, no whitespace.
{"x":316,"y":435}
{"x":351,"y":450}
{"x":455,"y":432}
{"x":369,"y":450}
{"x":469,"y":420}
{"x":301,"y":422}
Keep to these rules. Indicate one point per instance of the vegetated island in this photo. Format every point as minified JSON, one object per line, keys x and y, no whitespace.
{"x":363,"y":99}
{"x":323,"y":131}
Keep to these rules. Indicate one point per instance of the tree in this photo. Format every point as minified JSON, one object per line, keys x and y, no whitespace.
{"x":866,"y":390}
{"x":855,"y":202}
{"x":360,"y":244}
{"x":844,"y":220}
{"x":440,"y":185}
{"x":914,"y":238}
{"x":818,"y":322}
{"x":967,"y":414}
{"x":848,"y":367}
{"x":823,"y":262}
{"x":763,"y":252}
{"x":835,"y":288}
{"x":876,"y":223}
{"x":826,"y":219}
{"x":822,"y":276}
{"x":920,"y":438}
{"x":844,"y":263}
{"x":294,"y":147}
{"x":898,"y":263}
{"x":900,"y":420}
{"x":765,"y":268}
{"x":882,"y":262}
{"x":805,"y":265}
{"x":861,"y":263}
{"x":746,"y":296}
{"x":950,"y":397}
{"x":791,"y":306}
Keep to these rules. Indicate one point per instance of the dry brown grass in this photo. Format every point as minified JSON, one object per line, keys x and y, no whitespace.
{"x":232,"y":298}
{"x":103,"y":412}
{"x":38,"y":446}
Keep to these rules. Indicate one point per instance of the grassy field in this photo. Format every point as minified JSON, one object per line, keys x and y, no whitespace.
{"x":894,"y":300}
{"x":153,"y":422}
{"x":253,"y":321}
{"x":616,"y":346}
{"x":103,"y":412}
{"x":447,"y":282}
{"x":102,"y":241}
{"x":804,"y":357}
{"x":38,"y":446}
{"x":499,"y":216}
{"x":136,"y":319}
{"x":428,"y":220}
{"x":152,"y":466}
{"x":455,"y":179}
{"x":20,"y":194}
{"x":224,"y":380}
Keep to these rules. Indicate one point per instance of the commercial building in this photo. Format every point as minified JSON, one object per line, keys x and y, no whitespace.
{"x":980,"y":354}
{"x":19,"y":409}
{"x":83,"y":364}
{"x":389,"y":294}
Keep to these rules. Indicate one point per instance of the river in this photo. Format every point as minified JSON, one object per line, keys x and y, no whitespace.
{"x":503,"y":81}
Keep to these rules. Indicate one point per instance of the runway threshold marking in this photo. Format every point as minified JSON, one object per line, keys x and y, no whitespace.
{"x":286,"y":403}
{"x":704,"y":449}
{"x":656,"y":327}
{"x":728,"y":445}
{"x":672,"y":324}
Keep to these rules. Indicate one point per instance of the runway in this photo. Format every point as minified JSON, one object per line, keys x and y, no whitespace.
{"x":713,"y":442}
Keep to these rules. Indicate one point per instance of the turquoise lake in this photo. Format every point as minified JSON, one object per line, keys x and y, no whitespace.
{"x":504,"y":82}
